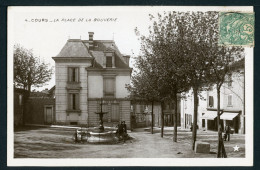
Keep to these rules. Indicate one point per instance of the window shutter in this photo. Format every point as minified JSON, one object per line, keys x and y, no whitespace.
{"x":76,"y":74}
{"x":70,"y":74}
{"x":109,"y":86}
{"x":70,"y":101}
{"x":229,"y":100}
{"x":211,"y":101}
{"x":77,"y":101}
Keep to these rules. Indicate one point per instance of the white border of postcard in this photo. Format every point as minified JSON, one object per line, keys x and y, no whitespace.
{"x":247,"y":161}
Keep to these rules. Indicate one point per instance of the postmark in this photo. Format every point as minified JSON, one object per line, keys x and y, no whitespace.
{"x":236,"y":29}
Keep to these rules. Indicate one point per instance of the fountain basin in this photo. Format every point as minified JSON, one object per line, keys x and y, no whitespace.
{"x":96,"y":136}
{"x":102,"y":137}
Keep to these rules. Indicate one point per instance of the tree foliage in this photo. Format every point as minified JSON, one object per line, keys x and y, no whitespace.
{"x":161,"y":67}
{"x":181,"y":52}
{"x":29,"y":70}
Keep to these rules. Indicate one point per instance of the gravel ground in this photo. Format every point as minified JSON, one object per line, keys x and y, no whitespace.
{"x":42,"y":142}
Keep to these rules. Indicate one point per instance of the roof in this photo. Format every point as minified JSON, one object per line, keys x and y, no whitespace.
{"x":76,"y":48}
{"x":102,"y":46}
{"x":39,"y":94}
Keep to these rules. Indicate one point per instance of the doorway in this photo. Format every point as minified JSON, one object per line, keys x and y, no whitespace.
{"x":48,"y":114}
{"x":115,"y":113}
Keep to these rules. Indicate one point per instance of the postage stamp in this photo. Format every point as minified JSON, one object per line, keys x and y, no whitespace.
{"x":236,"y":29}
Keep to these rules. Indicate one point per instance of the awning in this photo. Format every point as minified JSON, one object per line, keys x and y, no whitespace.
{"x":228,"y":116}
{"x":211,"y":115}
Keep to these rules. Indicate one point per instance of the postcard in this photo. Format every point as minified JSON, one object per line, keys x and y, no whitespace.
{"x":130,"y":86}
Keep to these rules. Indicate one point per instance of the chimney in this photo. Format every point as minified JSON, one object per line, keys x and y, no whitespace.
{"x":127,"y":57}
{"x":91,"y":41}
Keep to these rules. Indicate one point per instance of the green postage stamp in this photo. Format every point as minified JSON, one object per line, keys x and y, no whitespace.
{"x":236,"y":29}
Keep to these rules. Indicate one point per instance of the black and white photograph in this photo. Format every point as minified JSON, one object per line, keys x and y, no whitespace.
{"x":130,"y":86}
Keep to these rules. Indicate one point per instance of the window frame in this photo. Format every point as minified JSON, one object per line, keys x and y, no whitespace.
{"x":230,"y":100}
{"x":71,"y":101}
{"x":111,"y":64}
{"x":108,"y":94}
{"x":211,"y":101}
{"x":76,"y":77}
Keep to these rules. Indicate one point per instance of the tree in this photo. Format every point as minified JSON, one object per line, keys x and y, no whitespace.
{"x":199,"y":32}
{"x":221,"y":60}
{"x":29,"y":70}
{"x":163,"y":55}
{"x":143,"y":84}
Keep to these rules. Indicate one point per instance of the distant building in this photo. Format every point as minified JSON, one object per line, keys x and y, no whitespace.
{"x":142,"y":110}
{"x":40,"y":108}
{"x":142,"y":114}
{"x":231,"y":103}
{"x":87,"y":73}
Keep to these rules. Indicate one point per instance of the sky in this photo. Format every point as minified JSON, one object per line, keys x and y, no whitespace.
{"x":46,"y":29}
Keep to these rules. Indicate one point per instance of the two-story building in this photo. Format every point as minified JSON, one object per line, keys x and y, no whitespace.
{"x":89,"y":72}
{"x":231,"y":103}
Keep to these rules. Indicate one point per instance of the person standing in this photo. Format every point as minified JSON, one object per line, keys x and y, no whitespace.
{"x":227,"y":132}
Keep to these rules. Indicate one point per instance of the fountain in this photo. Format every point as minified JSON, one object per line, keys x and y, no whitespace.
{"x":97,"y":134}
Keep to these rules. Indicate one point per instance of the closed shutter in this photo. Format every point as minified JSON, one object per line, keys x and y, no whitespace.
{"x":76,"y":74}
{"x":115,"y":113}
{"x":230,"y":100}
{"x":109,"y":87}
{"x":77,"y":101}
{"x":70,"y":74}
{"x":70,"y":101}
{"x":211,"y":101}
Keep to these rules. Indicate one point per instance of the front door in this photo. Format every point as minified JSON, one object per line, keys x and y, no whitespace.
{"x":48,"y":116}
{"x":115,"y":113}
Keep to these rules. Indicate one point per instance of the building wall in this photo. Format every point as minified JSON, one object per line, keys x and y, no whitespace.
{"x":124,"y":112}
{"x":35,"y":110}
{"x":121,"y":81}
{"x":187,"y":107}
{"x":61,"y":93}
{"x":95,"y":93}
{"x":95,"y":83}
{"x":237,"y":92}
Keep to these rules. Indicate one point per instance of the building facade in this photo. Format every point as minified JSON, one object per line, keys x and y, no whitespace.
{"x":88,"y":73}
{"x":231,"y":104}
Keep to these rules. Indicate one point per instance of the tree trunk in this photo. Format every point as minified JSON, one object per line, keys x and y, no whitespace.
{"x":152,"y":119}
{"x":218,"y":122}
{"x":195,"y":116}
{"x":175,"y":117}
{"x":29,"y":90}
{"x":162,"y":119}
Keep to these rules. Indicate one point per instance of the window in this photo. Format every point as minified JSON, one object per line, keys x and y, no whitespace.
{"x":73,"y":74}
{"x":109,"y":62}
{"x":109,"y":87}
{"x":73,"y":101}
{"x":203,"y":123}
{"x":229,"y":80}
{"x":230,"y":100}
{"x":211,"y":101}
